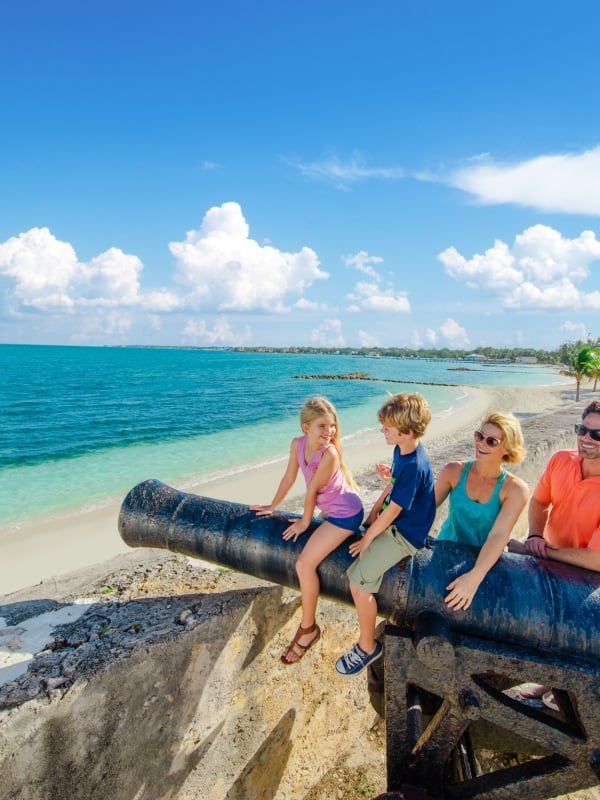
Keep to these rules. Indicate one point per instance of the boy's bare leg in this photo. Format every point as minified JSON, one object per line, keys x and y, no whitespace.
{"x":366,"y":609}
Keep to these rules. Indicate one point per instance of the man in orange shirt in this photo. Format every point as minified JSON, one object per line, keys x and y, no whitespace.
{"x":564,"y":511}
{"x":564,"y":520}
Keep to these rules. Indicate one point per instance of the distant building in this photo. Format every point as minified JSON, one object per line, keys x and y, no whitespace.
{"x":526,"y":360}
{"x":475,"y":357}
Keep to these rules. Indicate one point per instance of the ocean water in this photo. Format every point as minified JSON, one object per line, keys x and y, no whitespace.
{"x":81,"y":426}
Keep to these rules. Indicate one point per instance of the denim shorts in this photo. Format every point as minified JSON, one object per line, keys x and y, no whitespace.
{"x":387,"y":549}
{"x":348,"y":523}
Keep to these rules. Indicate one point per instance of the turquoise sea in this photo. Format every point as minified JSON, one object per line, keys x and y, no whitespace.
{"x":82,"y":425}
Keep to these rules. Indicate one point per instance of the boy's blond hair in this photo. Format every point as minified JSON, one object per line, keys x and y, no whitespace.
{"x":407,"y":412}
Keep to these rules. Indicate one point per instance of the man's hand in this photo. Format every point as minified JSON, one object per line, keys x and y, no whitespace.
{"x":533,"y":546}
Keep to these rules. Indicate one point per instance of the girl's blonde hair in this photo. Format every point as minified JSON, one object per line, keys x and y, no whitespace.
{"x":512,"y":435}
{"x":313,"y":409}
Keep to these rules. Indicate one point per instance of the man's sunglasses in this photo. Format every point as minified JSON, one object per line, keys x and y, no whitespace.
{"x":491,"y":441}
{"x":594,"y":433}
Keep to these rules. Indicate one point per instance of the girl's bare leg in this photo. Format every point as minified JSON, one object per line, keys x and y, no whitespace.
{"x":322,"y":542}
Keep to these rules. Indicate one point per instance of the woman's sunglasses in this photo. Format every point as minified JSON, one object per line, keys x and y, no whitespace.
{"x":491,"y":441}
{"x":594,"y":433}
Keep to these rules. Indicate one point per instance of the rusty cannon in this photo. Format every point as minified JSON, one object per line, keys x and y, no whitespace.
{"x":453,"y":727}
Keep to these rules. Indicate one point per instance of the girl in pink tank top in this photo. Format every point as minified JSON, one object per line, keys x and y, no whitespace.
{"x":329,"y":486}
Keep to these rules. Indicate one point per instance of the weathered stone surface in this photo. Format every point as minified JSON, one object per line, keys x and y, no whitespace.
{"x":170,"y":685}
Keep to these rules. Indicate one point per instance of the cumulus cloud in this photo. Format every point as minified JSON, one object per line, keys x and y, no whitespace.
{"x":328,"y":334}
{"x":310,"y":305}
{"x":454,"y":334}
{"x":367,"y":339}
{"x":111,"y":325}
{"x":371,"y":297}
{"x":575,"y":330}
{"x":567,"y":182}
{"x":198,"y":332}
{"x":47,"y":276}
{"x":362,"y":261}
{"x":220,"y":267}
{"x":542,"y":269}
{"x":431,"y":336}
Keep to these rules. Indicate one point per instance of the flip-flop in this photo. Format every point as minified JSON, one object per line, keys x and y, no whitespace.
{"x":299,"y":650}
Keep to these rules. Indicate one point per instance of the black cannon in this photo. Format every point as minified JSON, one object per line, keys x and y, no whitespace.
{"x":452,"y":730}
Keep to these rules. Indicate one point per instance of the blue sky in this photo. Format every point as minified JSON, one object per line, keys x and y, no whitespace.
{"x":319,"y":173}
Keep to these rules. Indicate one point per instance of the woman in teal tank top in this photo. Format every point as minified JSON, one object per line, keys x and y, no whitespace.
{"x":485,"y":500}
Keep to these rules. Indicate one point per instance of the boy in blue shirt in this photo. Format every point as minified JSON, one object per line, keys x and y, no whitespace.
{"x":397,"y":525}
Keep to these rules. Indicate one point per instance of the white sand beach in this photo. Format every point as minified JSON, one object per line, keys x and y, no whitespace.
{"x":44,"y":549}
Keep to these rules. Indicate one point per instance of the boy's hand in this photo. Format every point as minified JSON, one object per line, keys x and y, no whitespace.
{"x":383,"y":471}
{"x":359,"y":547}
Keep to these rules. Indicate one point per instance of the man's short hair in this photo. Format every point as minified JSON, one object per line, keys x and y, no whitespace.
{"x":591,"y":408}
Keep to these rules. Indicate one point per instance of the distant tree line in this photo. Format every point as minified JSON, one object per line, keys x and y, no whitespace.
{"x":499,"y":353}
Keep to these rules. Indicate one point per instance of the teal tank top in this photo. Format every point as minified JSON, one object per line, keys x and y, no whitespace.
{"x":469,"y":522}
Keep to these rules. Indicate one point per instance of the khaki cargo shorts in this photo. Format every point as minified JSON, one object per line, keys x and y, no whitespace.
{"x":387,"y":549}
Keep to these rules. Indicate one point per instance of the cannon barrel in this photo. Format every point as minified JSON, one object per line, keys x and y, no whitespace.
{"x":536,"y":604}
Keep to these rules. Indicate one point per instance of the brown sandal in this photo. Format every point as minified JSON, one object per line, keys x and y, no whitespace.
{"x":298,"y":650}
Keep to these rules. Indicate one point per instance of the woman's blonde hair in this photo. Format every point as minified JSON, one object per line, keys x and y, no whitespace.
{"x":512,"y":435}
{"x":406,"y":412}
{"x":316,"y":407}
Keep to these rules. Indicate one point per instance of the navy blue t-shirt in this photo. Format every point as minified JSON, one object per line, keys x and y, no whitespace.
{"x":412,"y":489}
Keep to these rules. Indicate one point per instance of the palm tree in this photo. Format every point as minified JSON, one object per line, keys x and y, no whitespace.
{"x":593,"y":370}
{"x":577,"y":362}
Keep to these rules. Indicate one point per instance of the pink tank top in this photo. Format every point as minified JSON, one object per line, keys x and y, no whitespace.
{"x":336,"y":499}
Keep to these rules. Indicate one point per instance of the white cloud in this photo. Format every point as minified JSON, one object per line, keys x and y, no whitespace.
{"x":367,"y":339}
{"x":454,"y":334}
{"x":43,"y":269}
{"x":328,"y":334}
{"x":370,"y":297}
{"x":362,"y":262}
{"x":415,"y":340}
{"x":575,"y":330}
{"x":567,"y":182}
{"x":541,"y":270}
{"x":431,"y":336}
{"x":343,"y":173}
{"x":311,"y":305}
{"x":220,"y":267}
{"x":110,"y":325}
{"x":47,"y":276}
{"x":198,"y":332}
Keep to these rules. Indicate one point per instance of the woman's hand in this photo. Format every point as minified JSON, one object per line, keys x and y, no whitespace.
{"x":295,"y":530}
{"x":461,"y":591}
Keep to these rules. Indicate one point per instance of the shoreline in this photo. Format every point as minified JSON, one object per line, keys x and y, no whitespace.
{"x":46,"y":549}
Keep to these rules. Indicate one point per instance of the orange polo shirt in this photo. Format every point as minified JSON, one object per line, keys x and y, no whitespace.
{"x":574,"y":519}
